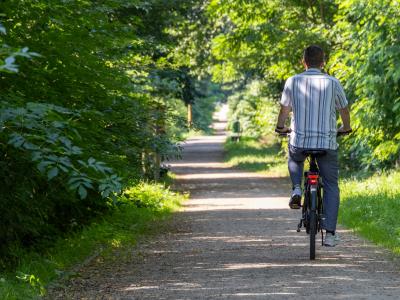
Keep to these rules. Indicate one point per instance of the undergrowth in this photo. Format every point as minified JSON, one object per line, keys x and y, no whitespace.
{"x":370,"y":207}
{"x":139,"y":208}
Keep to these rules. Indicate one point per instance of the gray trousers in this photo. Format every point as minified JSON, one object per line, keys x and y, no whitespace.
{"x":329,"y":171}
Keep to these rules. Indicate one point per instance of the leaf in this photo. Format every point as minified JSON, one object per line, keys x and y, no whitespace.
{"x":34,"y":54}
{"x":76,"y":150}
{"x":10,"y":60}
{"x":52,"y":138}
{"x":64,"y":160}
{"x":82,"y":163}
{"x":36,"y":155}
{"x":106,"y":193}
{"x":30,"y":146}
{"x":82,"y":192}
{"x":79,"y":180}
{"x":16,"y":140}
{"x":87,"y":184}
{"x":58,"y":124}
{"x":396,"y":105}
{"x":43,"y":165}
{"x":75,"y":185}
{"x":52,"y":173}
{"x":64,"y":169}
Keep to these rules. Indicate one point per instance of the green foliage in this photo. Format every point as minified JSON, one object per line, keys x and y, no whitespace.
{"x":208,"y":95}
{"x":255,"y":109}
{"x":257,"y":46}
{"x":370,"y":206}
{"x":45,"y":132}
{"x":114,"y":232}
{"x":264,"y":40}
{"x":91,"y":101}
{"x":368,"y":60}
{"x":39,"y":161}
{"x":8,"y":55}
{"x":149,"y":196}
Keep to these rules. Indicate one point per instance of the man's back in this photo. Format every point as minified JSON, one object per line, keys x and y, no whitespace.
{"x":314,"y":98}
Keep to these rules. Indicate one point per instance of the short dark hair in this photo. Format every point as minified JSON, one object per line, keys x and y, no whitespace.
{"x":313,"y":56}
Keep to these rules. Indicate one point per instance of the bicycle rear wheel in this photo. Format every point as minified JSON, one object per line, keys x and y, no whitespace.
{"x":313,"y":233}
{"x":313,"y":224}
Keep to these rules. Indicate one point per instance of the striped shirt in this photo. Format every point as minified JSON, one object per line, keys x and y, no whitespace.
{"x":314,"y":98}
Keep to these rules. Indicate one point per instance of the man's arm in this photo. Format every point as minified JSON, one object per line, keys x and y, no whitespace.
{"x":283,"y":115}
{"x":345,"y":116}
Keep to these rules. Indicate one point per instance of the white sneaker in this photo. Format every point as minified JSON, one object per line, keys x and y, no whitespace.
{"x":331,"y":240}
{"x":296,"y":191}
{"x":295,"y":199}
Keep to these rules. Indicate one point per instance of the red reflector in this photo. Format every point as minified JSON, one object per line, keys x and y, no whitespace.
{"x":312,"y":178}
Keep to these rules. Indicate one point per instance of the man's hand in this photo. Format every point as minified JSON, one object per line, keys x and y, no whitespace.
{"x":283,"y":115}
{"x":283,"y":129}
{"x":343,"y":129}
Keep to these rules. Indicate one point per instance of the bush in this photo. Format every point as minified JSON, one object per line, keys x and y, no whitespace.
{"x":255,"y":108}
{"x":149,"y":196}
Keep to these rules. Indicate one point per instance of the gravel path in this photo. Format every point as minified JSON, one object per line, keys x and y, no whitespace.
{"x":236,"y":239}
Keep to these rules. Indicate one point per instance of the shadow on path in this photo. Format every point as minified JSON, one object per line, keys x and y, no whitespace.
{"x":256,"y":254}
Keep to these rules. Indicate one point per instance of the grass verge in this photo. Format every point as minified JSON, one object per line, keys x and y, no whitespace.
{"x":141,"y":206}
{"x":256,"y":155}
{"x":370,"y":207}
{"x":369,"y":204}
{"x":192,"y":133}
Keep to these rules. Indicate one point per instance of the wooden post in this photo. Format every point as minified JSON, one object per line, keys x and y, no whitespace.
{"x":190,"y":117}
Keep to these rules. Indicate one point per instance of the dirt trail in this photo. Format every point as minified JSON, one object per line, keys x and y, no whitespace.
{"x":236,"y":239}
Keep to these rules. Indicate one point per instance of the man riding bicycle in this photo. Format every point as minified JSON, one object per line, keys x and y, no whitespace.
{"x":314,"y":97}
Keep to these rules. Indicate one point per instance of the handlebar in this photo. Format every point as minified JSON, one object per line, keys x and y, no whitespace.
{"x":339,"y":133}
{"x":287,"y":133}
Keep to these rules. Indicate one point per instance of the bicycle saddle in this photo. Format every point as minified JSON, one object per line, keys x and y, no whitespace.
{"x":314,"y":152}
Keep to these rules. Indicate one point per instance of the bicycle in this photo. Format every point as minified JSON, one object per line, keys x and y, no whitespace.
{"x":312,"y":208}
{"x":312,"y":216}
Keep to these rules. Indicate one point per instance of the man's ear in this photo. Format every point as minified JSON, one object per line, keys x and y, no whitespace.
{"x":304,"y":63}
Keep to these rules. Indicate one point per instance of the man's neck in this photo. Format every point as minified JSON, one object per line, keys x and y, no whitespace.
{"x":312,"y":68}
